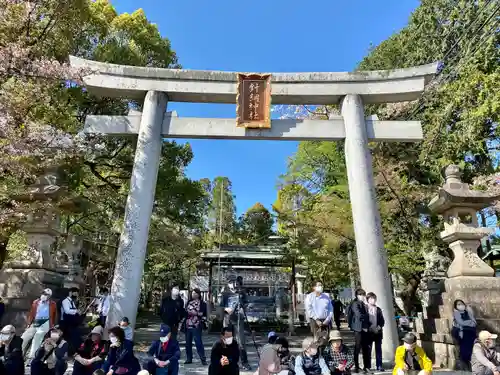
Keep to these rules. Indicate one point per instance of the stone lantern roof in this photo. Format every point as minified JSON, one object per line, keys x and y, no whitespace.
{"x":455,"y":193}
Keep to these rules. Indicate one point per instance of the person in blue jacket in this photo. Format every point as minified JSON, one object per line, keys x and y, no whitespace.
{"x":165,"y":354}
{"x":121,"y":359}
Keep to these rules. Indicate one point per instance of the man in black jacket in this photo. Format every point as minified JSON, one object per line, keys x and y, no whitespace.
{"x":172,"y":311}
{"x":359,"y":322}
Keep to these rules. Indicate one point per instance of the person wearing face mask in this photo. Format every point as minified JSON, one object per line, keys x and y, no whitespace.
{"x":164,"y":354}
{"x":172,"y":310}
{"x":225,"y":355}
{"x":359,"y":322}
{"x":310,"y":361}
{"x":464,"y":331}
{"x":485,"y":359}
{"x":377,"y":322}
{"x":196,"y":311}
{"x":234,"y":303}
{"x":51,"y":357}
{"x":410,"y":357}
{"x":103,"y":306}
{"x":120,"y":359}
{"x":320,"y":312}
{"x":71,"y":320}
{"x":11,"y":354}
{"x":91,"y":354}
{"x":125,"y":325}
{"x":338,"y":357}
{"x":41,"y":318}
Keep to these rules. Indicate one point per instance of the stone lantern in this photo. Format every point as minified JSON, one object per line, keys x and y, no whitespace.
{"x":39,"y":265}
{"x":469,"y":278}
{"x":459,"y":206}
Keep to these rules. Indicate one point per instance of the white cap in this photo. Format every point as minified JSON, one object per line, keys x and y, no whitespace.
{"x":47,"y":292}
{"x":97,"y":330}
{"x":8,"y":329}
{"x":485,"y":335}
{"x":143,"y":372}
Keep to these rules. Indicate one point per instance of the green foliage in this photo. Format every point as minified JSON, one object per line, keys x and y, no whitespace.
{"x":94,"y":30}
{"x":459,"y":113}
{"x":221,"y":215}
{"x":255,"y":226}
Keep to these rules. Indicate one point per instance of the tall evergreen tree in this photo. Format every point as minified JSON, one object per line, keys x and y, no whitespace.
{"x":256,"y":225}
{"x":222,"y":211}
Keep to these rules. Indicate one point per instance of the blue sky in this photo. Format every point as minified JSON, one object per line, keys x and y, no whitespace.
{"x":264,"y":36}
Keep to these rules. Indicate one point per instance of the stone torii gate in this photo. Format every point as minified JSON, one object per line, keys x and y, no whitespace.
{"x":156,"y":86}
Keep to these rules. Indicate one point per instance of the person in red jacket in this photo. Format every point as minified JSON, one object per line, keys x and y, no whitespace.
{"x":41,"y":318}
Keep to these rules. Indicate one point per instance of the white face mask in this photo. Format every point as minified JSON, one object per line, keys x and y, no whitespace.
{"x":175,"y":292}
{"x":461,"y":307}
{"x":312,"y":352}
{"x":43,"y":298}
{"x":4,"y":337}
{"x":319,"y":289}
{"x":372,"y":301}
{"x":409,"y":346}
{"x":164,"y":339}
{"x":362,"y":298}
{"x":55,"y":336}
{"x":228,"y":340}
{"x":113,"y":340}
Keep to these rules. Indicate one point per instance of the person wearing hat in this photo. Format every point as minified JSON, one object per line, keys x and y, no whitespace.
{"x":11,"y":355}
{"x":338,"y":357}
{"x":51,"y":358}
{"x":411,"y":357}
{"x":164,"y":354}
{"x":41,"y":318}
{"x":310,"y":361}
{"x":91,"y":354}
{"x":271,"y":337}
{"x":485,"y":358}
{"x":196,"y":311}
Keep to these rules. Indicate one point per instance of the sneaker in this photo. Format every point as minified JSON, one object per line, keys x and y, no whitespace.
{"x":380,"y":368}
{"x":367,"y":371}
{"x":188,"y":362}
{"x":246,"y":367}
{"x":204,"y":362}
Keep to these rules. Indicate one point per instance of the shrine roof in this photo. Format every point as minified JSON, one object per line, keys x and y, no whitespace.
{"x":239,"y":254}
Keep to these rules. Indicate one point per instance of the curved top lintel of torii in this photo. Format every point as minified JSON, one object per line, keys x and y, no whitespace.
{"x":205,"y":86}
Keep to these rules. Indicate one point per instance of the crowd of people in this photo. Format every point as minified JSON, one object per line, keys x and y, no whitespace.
{"x":52,"y":338}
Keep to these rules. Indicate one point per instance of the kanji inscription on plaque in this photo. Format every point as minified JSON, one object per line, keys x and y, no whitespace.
{"x":254,"y":101}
